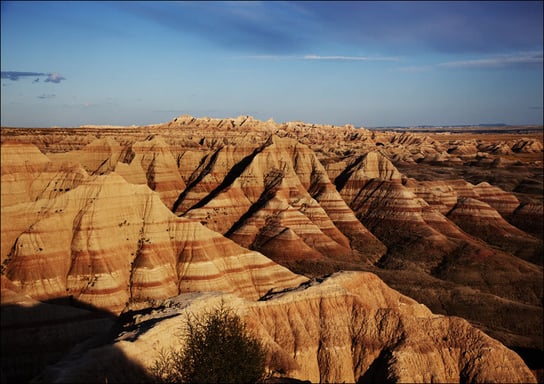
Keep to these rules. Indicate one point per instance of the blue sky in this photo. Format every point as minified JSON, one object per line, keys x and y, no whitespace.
{"x":362,"y":63}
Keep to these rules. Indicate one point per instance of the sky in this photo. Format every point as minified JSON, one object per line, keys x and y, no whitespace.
{"x":369,"y":64}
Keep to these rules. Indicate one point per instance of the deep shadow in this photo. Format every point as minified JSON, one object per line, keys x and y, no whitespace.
{"x":270,"y":190}
{"x":284,"y":380}
{"x":36,"y":336}
{"x":533,"y":357}
{"x":232,"y":175}
{"x":75,"y":303}
{"x":377,"y":372}
{"x":343,"y":177}
{"x":106,"y":364}
{"x":197,"y":180}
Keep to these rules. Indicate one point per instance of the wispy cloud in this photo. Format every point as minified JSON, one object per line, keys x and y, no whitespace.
{"x":53,"y":77}
{"x":319,"y":57}
{"x":15,"y":75}
{"x":496,"y":61}
{"x":349,"y":58}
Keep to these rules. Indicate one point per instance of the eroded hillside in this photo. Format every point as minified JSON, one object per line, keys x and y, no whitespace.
{"x":119,"y":218}
{"x":348,"y":327}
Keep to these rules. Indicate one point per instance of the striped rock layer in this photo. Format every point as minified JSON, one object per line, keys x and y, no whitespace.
{"x":28,"y":175}
{"x":427,"y":245}
{"x":263,"y":184}
{"x":417,"y":232}
{"x":349,"y":327}
{"x":277,"y":199}
{"x":481,"y":220}
{"x":76,"y":245}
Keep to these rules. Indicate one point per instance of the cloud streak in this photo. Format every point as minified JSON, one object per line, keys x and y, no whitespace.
{"x":502,"y":61}
{"x":53,"y":77}
{"x":497,"y":61}
{"x":319,"y":57}
{"x":348,"y":58}
{"x":15,"y":75}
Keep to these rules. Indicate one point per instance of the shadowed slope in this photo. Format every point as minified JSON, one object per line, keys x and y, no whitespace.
{"x":423,"y":245}
{"x":264,"y":201}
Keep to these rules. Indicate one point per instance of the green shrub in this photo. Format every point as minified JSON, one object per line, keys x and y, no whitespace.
{"x":218,"y":349}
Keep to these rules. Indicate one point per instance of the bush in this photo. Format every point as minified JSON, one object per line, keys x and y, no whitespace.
{"x":218,"y":349}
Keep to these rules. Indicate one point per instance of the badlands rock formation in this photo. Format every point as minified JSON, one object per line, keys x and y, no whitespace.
{"x":349,"y":327}
{"x":28,"y":175}
{"x":483,"y":221}
{"x":76,"y":245}
{"x":277,"y":198}
{"x":117,"y":218}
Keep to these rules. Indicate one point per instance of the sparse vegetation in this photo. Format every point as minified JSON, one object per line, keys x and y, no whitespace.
{"x":217,"y":348}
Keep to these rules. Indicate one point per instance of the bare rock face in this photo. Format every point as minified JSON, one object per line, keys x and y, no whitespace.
{"x":504,"y":202}
{"x":276,"y":198}
{"x":527,"y":145}
{"x":528,"y":218}
{"x":464,"y":147}
{"x":149,"y":161}
{"x":481,"y":220}
{"x":373,"y":188}
{"x":28,"y":175}
{"x":21,"y":157}
{"x":443,"y":194}
{"x":76,"y":245}
{"x":438,"y":194}
{"x":426,"y":244}
{"x":121,"y":217}
{"x":348,"y":327}
{"x":98,"y":157}
{"x":159,"y":167}
{"x":188,"y":162}
{"x":411,"y":148}
{"x":481,"y":211}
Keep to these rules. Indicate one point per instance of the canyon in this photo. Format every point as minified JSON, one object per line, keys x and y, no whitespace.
{"x":355,"y":255}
